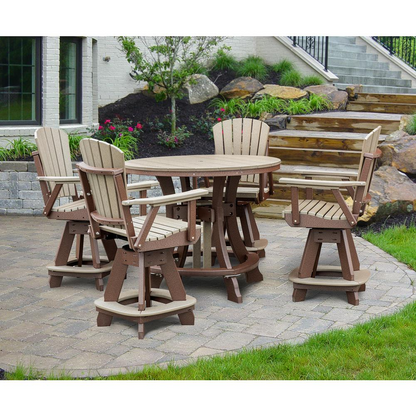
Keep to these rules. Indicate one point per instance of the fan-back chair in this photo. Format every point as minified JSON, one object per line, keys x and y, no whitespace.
{"x":331,"y":222}
{"x":151,"y":240}
{"x":56,"y":176}
{"x":245,"y":136}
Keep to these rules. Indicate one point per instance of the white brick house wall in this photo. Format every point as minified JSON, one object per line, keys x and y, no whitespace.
{"x":106,"y":79}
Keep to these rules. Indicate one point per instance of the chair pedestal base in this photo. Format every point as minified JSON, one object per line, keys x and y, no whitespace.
{"x":329,"y":278}
{"x":86,"y":269}
{"x":162,"y":306}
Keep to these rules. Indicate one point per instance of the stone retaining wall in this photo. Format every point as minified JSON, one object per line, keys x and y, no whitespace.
{"x":20,"y":192}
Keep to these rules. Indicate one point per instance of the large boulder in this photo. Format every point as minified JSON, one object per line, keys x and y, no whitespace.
{"x":279,"y":91}
{"x":241,"y":88}
{"x":391,"y":192}
{"x":339,"y":99}
{"x":199,"y":88}
{"x":399,"y":151}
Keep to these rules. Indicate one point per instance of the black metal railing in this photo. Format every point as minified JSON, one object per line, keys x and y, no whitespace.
{"x":404,"y":47}
{"x":316,"y":46}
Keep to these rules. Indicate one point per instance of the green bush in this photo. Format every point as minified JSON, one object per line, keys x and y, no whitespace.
{"x":224,"y":61}
{"x":173,"y":140}
{"x":319,"y":103}
{"x":253,"y":66}
{"x":291,"y":78}
{"x":283,"y":66}
{"x":311,"y":80}
{"x":411,"y":126}
{"x":17,"y":149}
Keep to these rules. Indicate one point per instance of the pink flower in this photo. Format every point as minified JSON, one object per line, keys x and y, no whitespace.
{"x":120,"y":134}
{"x":176,"y":140}
{"x":107,"y":121}
{"x":219,"y":119}
{"x":100,"y":127}
{"x":130,"y":129}
{"x":139,"y":126}
{"x":112,"y":128}
{"x":222,"y":109}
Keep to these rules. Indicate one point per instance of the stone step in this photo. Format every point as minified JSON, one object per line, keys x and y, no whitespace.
{"x":347,"y":47}
{"x":345,"y":121}
{"x":353,"y":55}
{"x":380,"y":89}
{"x":392,"y":108}
{"x":342,"y":40}
{"x":356,"y":63}
{"x":391,"y":82}
{"x":363,"y":97}
{"x":365,"y":72}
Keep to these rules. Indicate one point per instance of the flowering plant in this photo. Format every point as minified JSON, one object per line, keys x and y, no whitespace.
{"x":173,"y":140}
{"x":112,"y":129}
{"x":121,"y":133}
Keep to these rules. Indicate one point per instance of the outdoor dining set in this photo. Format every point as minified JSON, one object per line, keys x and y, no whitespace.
{"x":207,"y":229}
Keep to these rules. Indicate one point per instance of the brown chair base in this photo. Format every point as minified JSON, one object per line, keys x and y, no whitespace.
{"x":162,"y":306}
{"x":85,"y":270}
{"x":329,"y":278}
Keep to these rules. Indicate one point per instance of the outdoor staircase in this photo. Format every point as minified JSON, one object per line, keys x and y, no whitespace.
{"x":352,"y":64}
{"x":328,"y":140}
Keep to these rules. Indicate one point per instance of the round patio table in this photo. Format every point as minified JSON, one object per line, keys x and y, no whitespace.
{"x":226,"y":171}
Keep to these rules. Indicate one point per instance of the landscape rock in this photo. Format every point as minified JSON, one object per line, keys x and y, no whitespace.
{"x":279,"y":91}
{"x":391,"y":192}
{"x":199,"y":89}
{"x":279,"y":121}
{"x":339,"y":99}
{"x":353,"y":90}
{"x":241,"y":88}
{"x":399,"y":151}
{"x":152,"y":93}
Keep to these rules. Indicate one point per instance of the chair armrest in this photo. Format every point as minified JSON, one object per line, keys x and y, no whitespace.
{"x":142,"y":186}
{"x":59,"y":179}
{"x":156,"y":201}
{"x":308,"y":183}
{"x":334,"y":173}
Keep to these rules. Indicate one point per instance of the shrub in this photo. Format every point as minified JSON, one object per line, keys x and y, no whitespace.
{"x":253,"y":66}
{"x":232,"y":107}
{"x":291,"y":78}
{"x":113,"y":129}
{"x":411,"y":126}
{"x":319,"y":103}
{"x":126,"y":143}
{"x":74,"y":145}
{"x":224,"y":61}
{"x":17,"y":149}
{"x":283,"y":66}
{"x":298,"y":107}
{"x":174,"y":140}
{"x":311,"y":80}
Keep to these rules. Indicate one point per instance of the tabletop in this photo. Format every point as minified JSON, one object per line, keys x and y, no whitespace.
{"x":204,"y":165}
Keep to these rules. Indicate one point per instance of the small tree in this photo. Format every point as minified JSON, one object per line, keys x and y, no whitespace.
{"x":168,"y":61}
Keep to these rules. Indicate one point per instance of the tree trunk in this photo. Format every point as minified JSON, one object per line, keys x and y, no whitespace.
{"x":173,"y":110}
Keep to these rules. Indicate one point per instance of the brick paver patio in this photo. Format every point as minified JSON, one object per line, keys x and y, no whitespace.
{"x":55,"y":329}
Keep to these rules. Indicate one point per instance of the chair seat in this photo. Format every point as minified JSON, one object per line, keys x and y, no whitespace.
{"x":71,"y":206}
{"x":243,"y":192}
{"x":320,"y":209}
{"x":162,"y":227}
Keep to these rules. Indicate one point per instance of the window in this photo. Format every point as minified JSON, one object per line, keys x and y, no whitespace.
{"x":20,"y":78}
{"x":70,"y":80}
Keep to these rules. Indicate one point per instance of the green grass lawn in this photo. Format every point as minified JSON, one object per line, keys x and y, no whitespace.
{"x":398,"y":241}
{"x":383,"y":348}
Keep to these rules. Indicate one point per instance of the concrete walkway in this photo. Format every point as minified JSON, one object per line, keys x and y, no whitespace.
{"x":55,"y":329}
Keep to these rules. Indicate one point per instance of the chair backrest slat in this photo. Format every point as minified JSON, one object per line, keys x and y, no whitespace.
{"x":99,"y":154}
{"x":242,"y":136}
{"x":54,"y":153}
{"x":370,"y":147}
